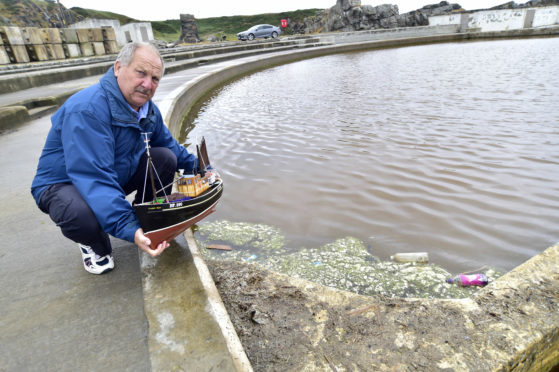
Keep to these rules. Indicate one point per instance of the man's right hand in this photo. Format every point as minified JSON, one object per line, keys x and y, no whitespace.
{"x":143,"y":242}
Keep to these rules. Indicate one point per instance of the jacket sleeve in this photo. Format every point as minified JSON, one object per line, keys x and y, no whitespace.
{"x":89,"y":149}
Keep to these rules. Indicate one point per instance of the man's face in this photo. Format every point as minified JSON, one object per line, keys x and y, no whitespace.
{"x":139,"y":80}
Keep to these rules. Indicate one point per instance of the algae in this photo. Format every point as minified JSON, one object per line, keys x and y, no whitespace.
{"x":345,"y":263}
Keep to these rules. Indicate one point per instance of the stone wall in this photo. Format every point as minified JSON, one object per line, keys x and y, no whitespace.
{"x":33,"y":44}
{"x":139,"y":31}
{"x":100,"y":23}
{"x":500,"y":19}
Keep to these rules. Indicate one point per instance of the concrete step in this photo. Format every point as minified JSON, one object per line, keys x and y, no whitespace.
{"x":13,"y":79}
{"x":38,"y":112}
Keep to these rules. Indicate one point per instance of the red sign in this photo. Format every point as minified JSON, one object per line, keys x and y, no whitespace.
{"x":284,"y":23}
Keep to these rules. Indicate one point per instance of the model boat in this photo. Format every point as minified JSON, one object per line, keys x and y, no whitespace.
{"x":196,"y":197}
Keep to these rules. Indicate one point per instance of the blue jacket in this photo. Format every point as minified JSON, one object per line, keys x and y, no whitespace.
{"x":95,"y":143}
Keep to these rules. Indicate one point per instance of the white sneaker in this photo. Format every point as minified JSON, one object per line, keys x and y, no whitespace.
{"x":94,"y":263}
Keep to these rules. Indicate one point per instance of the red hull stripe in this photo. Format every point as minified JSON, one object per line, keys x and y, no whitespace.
{"x":170,"y":232}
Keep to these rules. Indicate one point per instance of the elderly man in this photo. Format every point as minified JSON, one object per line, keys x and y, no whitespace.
{"x":94,"y":156}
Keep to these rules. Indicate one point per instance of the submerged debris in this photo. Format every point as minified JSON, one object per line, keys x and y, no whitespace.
{"x":344,"y":264}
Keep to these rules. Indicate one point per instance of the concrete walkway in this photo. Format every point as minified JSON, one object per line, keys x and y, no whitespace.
{"x":55,"y":315}
{"x":58,"y":317}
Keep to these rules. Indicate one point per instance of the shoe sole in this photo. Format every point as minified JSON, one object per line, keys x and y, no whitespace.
{"x":98,"y":273}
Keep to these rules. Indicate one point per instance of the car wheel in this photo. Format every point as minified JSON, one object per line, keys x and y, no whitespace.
{"x":250,"y":36}
{"x":274,"y":35}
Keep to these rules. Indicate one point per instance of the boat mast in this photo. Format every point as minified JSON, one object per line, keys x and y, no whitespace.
{"x":150,"y":167}
{"x":201,"y":164}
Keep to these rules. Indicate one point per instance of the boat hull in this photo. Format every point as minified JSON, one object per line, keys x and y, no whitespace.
{"x":165,"y":221}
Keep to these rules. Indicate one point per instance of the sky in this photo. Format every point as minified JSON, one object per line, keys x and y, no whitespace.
{"x":149,"y":10}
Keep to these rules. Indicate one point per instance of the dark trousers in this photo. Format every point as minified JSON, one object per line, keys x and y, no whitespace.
{"x":67,"y":208}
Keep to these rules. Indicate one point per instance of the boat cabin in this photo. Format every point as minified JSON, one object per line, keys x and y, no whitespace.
{"x":192,"y":185}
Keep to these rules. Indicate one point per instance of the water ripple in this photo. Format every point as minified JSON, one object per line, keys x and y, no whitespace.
{"x":448,"y":148}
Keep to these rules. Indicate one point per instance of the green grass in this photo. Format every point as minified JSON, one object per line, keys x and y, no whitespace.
{"x":229,"y":26}
{"x":90,"y":13}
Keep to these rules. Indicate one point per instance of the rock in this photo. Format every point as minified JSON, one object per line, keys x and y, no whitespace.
{"x":259,"y":317}
{"x":189,"y":29}
{"x":159,"y":44}
{"x":350,"y":15}
{"x":348,"y":4}
{"x":37,"y":14}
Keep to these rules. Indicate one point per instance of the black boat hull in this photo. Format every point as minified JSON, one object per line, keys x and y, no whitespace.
{"x":165,"y":221}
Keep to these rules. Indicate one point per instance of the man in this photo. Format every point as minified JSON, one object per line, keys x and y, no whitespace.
{"x":95,"y":155}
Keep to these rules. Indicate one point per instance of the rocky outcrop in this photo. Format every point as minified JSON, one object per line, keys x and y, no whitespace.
{"x":42,"y":14}
{"x":342,"y":18}
{"x":420,"y":17}
{"x":189,"y":29}
{"x":350,"y":15}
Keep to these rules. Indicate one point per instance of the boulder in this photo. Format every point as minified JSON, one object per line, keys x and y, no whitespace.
{"x":348,"y":4}
{"x":189,"y":29}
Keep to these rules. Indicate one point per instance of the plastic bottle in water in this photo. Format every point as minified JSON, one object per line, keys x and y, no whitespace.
{"x":420,"y":257}
{"x":469,"y":280}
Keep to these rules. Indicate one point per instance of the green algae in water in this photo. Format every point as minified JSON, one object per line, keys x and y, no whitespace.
{"x":256,"y":236}
{"x":344,"y":264}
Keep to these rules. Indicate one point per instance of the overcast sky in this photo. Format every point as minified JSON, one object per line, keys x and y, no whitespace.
{"x":149,"y":10}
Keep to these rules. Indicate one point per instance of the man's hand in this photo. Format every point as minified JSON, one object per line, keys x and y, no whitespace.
{"x":143,"y":243}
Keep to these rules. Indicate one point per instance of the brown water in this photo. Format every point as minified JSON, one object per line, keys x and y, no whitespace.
{"x":451,"y":149}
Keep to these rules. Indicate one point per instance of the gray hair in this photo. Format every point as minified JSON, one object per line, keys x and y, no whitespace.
{"x":126,"y":54}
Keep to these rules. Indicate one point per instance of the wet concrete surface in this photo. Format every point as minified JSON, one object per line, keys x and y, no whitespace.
{"x":182,"y":328}
{"x":55,"y":315}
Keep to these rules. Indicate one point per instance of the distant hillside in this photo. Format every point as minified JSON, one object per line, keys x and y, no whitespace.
{"x":97,"y":14}
{"x":170,"y":30}
{"x":49,"y":13}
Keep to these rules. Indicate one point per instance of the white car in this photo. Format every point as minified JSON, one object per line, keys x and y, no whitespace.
{"x":257,"y":31}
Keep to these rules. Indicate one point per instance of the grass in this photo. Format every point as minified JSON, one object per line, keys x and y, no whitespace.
{"x":97,"y":14}
{"x":229,"y":26}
